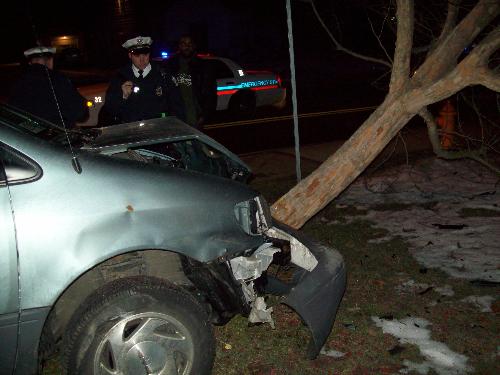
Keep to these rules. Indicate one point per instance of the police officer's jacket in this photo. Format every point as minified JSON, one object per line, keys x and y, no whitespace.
{"x":151,"y":97}
{"x":44,"y":92}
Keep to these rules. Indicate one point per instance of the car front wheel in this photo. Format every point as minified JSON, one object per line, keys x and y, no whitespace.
{"x":140,"y":326}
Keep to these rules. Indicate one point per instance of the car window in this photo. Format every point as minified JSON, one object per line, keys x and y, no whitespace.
{"x":221,"y":70}
{"x":17,"y":168}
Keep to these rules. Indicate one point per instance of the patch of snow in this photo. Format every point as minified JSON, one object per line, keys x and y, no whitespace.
{"x":483,"y":302}
{"x":446,"y":291}
{"x":464,"y":247}
{"x":331,"y":353}
{"x":429,"y":180}
{"x":439,"y":357}
{"x":411,"y":286}
{"x":419,"y":368}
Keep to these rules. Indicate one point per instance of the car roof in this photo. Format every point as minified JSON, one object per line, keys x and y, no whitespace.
{"x":230,"y":63}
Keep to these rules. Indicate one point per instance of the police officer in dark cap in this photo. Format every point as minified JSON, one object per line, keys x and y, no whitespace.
{"x":46,"y":93}
{"x":140,"y":90}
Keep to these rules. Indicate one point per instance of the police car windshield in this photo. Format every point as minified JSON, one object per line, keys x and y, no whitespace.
{"x":33,"y":125}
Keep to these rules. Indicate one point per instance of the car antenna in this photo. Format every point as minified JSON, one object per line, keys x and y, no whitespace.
{"x":74,"y":159}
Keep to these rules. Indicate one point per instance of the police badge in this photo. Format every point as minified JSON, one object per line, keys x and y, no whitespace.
{"x":159,"y":91}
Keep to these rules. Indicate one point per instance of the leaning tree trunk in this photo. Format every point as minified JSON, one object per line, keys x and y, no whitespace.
{"x":437,"y":78}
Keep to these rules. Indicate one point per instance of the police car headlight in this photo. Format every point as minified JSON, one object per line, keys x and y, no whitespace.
{"x":253,"y":215}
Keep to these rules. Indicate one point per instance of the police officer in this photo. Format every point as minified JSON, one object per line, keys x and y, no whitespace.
{"x":46,"y":93}
{"x":140,"y":90}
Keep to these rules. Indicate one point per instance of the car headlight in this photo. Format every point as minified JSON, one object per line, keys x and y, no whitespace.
{"x":253,"y":215}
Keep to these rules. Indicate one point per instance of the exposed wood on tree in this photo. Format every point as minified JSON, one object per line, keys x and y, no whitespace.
{"x":437,"y":78}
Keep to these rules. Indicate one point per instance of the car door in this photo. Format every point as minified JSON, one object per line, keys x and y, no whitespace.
{"x":227,"y":84}
{"x":9,"y":290}
{"x":15,"y":169}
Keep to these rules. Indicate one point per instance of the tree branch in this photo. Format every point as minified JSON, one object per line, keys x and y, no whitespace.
{"x":472,"y":70}
{"x":404,"y":40}
{"x":379,"y":41}
{"x":486,"y":47}
{"x":445,"y":55}
{"x":476,"y":64}
{"x":340,"y":47}
{"x":487,"y":78}
{"x":451,"y":20}
{"x":476,"y":155}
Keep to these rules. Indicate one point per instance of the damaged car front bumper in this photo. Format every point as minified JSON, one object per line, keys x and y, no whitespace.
{"x":313,"y":287}
{"x":307,"y":276}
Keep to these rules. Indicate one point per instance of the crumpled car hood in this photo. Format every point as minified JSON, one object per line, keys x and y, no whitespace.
{"x":109,"y":139}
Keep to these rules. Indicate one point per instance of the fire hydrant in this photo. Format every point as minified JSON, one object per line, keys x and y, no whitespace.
{"x":446,"y":121}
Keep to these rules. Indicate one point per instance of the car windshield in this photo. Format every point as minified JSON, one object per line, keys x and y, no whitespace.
{"x":36,"y":126}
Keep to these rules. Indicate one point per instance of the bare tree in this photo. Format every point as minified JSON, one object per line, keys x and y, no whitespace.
{"x":442,"y":73}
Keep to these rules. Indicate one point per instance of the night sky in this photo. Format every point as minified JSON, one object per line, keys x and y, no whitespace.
{"x":249,"y":31}
{"x":219,"y":26}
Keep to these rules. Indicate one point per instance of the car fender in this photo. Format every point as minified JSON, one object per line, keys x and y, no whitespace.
{"x":126,"y":206}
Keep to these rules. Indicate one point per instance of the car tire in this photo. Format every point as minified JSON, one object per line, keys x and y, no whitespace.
{"x":242,"y":105}
{"x":140,"y":325}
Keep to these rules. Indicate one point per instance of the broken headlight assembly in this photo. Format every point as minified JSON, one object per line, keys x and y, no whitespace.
{"x":248,"y":269}
{"x":253,"y":216}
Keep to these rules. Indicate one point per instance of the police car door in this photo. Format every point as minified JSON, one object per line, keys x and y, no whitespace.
{"x":227,"y":83}
{"x":9,"y":290}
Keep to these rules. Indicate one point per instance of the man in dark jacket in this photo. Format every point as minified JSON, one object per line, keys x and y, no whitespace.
{"x":141,"y":90}
{"x":196,"y":82}
{"x":46,"y":93}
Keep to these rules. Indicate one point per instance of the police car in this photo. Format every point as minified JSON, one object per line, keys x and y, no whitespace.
{"x":238,"y":91}
{"x":241,"y":91}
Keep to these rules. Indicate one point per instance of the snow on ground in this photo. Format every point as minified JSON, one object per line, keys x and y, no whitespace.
{"x":432,"y":196}
{"x":410,"y":286}
{"x":434,"y":193}
{"x":482,"y":302}
{"x":332,"y":353}
{"x":438,"y":356}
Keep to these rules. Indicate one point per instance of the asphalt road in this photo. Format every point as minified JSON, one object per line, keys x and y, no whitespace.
{"x":271,"y":129}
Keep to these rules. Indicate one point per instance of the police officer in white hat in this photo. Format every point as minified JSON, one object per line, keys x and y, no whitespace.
{"x":141,"y":90}
{"x":46,"y":93}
